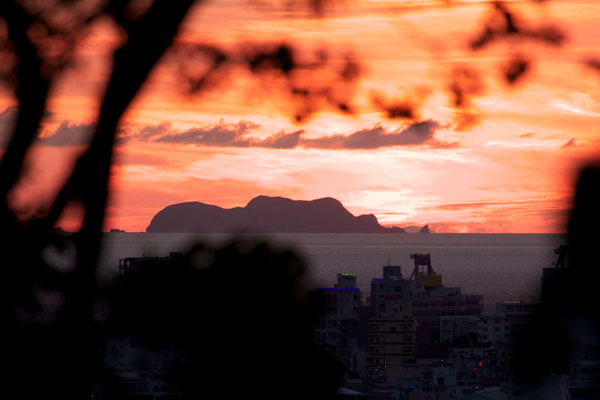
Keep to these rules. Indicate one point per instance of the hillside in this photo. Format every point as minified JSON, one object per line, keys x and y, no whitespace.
{"x":266,"y":214}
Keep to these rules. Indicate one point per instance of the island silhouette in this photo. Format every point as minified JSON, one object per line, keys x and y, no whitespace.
{"x":264,"y":214}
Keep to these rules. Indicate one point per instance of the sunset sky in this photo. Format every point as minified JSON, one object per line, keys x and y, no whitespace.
{"x":504,"y":160}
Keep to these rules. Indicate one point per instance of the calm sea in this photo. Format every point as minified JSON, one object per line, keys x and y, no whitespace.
{"x":498,"y":266}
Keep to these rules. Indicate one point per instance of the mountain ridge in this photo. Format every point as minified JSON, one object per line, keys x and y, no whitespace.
{"x":264,"y":214}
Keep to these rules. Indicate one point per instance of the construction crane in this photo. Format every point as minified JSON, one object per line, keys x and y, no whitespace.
{"x":430,"y":278}
{"x":421,"y":260}
{"x":563,"y":253}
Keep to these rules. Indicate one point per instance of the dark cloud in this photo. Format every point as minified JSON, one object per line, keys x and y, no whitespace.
{"x":283,"y":140}
{"x":224,"y":134}
{"x":146,"y":133}
{"x":69,"y":134}
{"x":142,"y":134}
{"x":221,"y":134}
{"x":66,"y":134}
{"x":417,"y":134}
{"x":527,"y":135}
{"x":236,"y":135}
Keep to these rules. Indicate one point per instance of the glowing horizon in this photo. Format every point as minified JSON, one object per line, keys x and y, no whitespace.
{"x":504,"y":163}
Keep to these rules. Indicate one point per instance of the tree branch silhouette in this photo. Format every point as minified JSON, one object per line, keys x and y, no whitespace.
{"x":55,"y":352}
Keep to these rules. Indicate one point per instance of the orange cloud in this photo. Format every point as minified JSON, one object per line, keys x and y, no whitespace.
{"x":239,"y":138}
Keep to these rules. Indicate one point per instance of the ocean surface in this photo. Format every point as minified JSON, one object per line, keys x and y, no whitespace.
{"x":498,"y":266}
